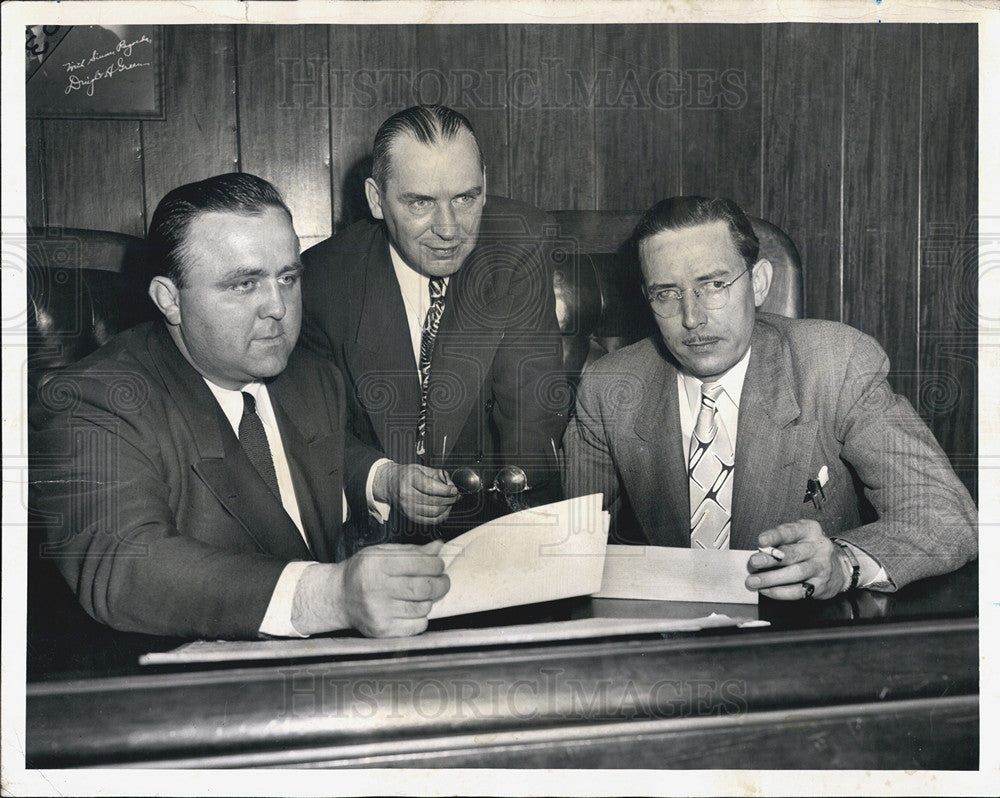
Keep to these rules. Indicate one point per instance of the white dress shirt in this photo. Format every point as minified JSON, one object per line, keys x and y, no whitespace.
{"x":415,"y":290}
{"x":728,"y":404}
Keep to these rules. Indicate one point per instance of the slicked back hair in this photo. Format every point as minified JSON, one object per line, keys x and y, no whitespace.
{"x":428,"y":124}
{"x":678,"y":213}
{"x":234,"y":192}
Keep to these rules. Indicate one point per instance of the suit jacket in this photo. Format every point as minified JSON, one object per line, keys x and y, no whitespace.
{"x":815,"y":394}
{"x":497,"y":393}
{"x":154,"y":514}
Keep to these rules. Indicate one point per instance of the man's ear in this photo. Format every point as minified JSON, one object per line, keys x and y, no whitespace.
{"x":762,"y":273}
{"x":166,"y":297}
{"x":374,"y":196}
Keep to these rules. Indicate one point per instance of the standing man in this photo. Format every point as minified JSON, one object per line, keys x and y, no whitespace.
{"x":440,"y":313}
{"x":190,"y":470}
{"x":734,"y":428}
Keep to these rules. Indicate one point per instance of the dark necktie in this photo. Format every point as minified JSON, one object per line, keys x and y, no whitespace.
{"x":710,"y":465}
{"x":431,"y":323}
{"x":254,"y":441}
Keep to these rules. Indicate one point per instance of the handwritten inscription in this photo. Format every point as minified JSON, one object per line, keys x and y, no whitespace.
{"x":121,"y":61}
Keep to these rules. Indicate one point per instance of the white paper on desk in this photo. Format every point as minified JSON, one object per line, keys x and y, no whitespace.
{"x":666,"y":573}
{"x":539,"y":554}
{"x":202,"y":651}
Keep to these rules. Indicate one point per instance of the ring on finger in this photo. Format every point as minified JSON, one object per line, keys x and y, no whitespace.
{"x":808,"y":589}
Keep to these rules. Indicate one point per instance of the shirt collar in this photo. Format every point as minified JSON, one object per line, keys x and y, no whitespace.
{"x":231,"y":402}
{"x":732,"y":383}
{"x":411,"y":282}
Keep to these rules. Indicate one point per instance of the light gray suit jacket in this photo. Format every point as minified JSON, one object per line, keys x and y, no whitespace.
{"x":815,"y":394}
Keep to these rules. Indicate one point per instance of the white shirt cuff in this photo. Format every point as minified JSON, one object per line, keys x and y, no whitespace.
{"x":378,"y":510}
{"x":278,"y":618}
{"x":872,"y":575}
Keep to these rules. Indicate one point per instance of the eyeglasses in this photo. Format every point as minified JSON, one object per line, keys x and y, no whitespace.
{"x":509,"y":481}
{"x":667,"y":302}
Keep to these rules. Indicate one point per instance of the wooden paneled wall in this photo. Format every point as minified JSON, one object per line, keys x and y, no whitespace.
{"x":860,"y":141}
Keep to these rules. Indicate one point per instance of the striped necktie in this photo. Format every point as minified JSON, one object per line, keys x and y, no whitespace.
{"x":710,"y":467}
{"x":431,"y":323}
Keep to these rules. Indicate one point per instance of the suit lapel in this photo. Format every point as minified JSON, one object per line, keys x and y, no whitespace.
{"x":658,"y":423}
{"x":470,"y":330}
{"x":222,"y":465}
{"x":770,"y":450}
{"x":380,"y":358}
{"x":315,"y":461}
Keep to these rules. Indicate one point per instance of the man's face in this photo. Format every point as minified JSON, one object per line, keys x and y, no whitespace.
{"x":706,"y":343}
{"x":432,"y":202}
{"x":237,"y":317}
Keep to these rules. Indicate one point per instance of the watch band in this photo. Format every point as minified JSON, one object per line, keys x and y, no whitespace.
{"x":852,"y":562}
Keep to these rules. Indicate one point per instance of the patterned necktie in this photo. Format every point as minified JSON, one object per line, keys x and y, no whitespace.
{"x":431,"y":323}
{"x":710,"y":466}
{"x":254,"y":442}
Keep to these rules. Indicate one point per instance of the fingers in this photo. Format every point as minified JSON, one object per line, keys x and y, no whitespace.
{"x":417,"y":590}
{"x":403,"y":607}
{"x":403,"y":559}
{"x":393,"y":587}
{"x":803,"y":529}
{"x":418,"y":506}
{"x":433,"y":548}
{"x":789,"y":574}
{"x":809,"y":557}
{"x":794,"y":592}
{"x":395,"y":627}
{"x":426,"y":495}
{"x":430,"y":482}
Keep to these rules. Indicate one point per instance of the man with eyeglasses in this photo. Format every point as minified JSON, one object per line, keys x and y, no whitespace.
{"x":741,"y":429}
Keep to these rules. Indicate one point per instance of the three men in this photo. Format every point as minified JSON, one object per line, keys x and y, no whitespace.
{"x":441,"y":315}
{"x":744,"y":429}
{"x":190,"y":471}
{"x":192,"y":482}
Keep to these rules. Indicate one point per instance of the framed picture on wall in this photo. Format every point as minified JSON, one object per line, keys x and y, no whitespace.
{"x":94,"y":71}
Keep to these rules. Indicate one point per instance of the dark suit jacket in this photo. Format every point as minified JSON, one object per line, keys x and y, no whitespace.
{"x":815,"y":394}
{"x":154,"y":514}
{"x":497,"y":393}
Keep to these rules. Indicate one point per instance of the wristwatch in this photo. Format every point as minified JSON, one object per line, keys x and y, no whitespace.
{"x":850,"y":562}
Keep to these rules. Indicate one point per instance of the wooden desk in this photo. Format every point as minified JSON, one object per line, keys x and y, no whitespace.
{"x":816,"y":690}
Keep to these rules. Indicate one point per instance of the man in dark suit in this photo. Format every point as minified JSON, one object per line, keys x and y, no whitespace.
{"x":441,"y":315}
{"x":190,"y":470}
{"x":741,"y":429}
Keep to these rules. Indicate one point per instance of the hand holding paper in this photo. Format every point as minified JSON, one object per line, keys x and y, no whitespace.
{"x":539,"y":554}
{"x":382,"y":591}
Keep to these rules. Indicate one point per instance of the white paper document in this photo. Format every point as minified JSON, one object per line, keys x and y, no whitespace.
{"x":203,"y":651}
{"x":664,"y":573}
{"x":539,"y":554}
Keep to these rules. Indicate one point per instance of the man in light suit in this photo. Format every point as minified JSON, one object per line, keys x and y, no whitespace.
{"x":735,"y":428}
{"x":441,"y":315}
{"x":190,"y":470}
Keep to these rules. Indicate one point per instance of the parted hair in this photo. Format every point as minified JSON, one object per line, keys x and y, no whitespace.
{"x":234,"y":192}
{"x":678,"y":213}
{"x":428,"y":124}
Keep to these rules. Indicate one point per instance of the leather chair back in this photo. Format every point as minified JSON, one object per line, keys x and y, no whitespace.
{"x":83,"y":287}
{"x":597,"y":282}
